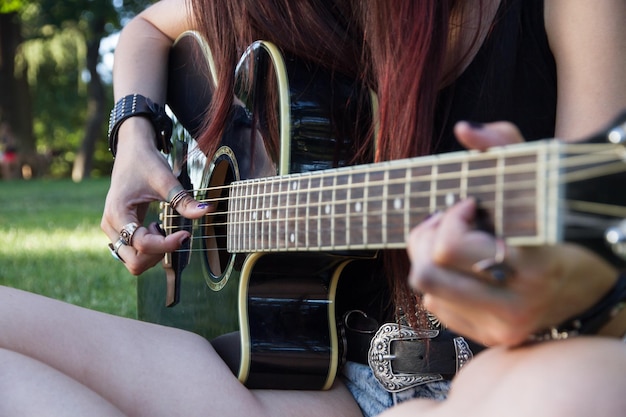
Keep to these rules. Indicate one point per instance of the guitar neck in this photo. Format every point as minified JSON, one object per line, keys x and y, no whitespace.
{"x":375,"y":206}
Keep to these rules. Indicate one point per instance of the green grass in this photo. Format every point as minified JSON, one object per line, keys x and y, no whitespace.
{"x":51,"y":244}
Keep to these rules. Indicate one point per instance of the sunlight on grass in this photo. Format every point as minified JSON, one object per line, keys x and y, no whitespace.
{"x":53,"y":245}
{"x":53,"y":241}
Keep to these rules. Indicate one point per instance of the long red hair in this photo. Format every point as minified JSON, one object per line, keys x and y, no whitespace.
{"x":397,"y":48}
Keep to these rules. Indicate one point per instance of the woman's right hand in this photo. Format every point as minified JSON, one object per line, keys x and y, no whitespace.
{"x":141,"y":175}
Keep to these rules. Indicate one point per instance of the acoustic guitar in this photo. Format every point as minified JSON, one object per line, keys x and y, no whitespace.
{"x":297,"y":228}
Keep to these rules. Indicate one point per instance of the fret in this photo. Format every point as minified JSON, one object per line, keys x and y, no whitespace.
{"x":291,"y":224}
{"x":464,"y":175}
{"x":283,"y":224}
{"x":256,"y":217}
{"x":550,"y":167}
{"x":340,"y":211}
{"x":395,"y":203}
{"x":348,"y":209}
{"x":356,"y":208}
{"x":229,"y":219}
{"x":481,"y":181}
{"x":326,"y":207}
{"x":419,"y":194}
{"x":433,"y":187}
{"x":523,"y":186}
{"x":332,"y":212}
{"x":262,"y":220}
{"x":384,"y":207}
{"x":269,"y":214}
{"x":307,"y":215}
{"x":448,"y":184}
{"x":498,"y":212}
{"x":237,"y":219}
{"x":301,"y":211}
{"x":247,"y":226}
{"x":318,"y":209}
{"x":277,"y":213}
{"x":242,"y":216}
{"x":375,"y":212}
{"x":366,"y":208}
{"x":233,"y":217}
{"x":407,"y":202}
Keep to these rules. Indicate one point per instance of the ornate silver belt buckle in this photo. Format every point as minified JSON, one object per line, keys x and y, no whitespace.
{"x":380,"y":357}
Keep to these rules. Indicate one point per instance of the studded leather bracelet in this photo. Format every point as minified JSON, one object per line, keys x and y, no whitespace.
{"x":592,"y":320}
{"x":138,"y":105}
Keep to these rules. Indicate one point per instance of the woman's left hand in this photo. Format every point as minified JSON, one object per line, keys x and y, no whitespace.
{"x":547,"y":284}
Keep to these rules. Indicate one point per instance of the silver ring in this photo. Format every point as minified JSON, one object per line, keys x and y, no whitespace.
{"x":495,"y":267}
{"x":114,"y":248}
{"x":127,"y":233}
{"x":174,"y":201}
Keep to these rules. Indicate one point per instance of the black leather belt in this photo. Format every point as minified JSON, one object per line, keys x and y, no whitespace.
{"x":401,"y":357}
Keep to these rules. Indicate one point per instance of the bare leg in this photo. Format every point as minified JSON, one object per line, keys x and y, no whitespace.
{"x":578,"y":377}
{"x":30,"y":388}
{"x":142,"y":368}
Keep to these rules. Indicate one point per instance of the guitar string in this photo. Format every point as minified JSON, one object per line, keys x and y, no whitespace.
{"x":273,"y":221}
{"x":519,"y":186}
{"x":526,"y":168}
{"x":511,"y":203}
{"x":518,"y":204}
{"x":424,"y":179}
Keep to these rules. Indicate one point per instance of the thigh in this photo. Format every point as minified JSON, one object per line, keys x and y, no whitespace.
{"x":576,"y":377}
{"x":29,"y":387}
{"x":143,"y":368}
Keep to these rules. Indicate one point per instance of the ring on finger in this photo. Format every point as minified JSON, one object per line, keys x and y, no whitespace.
{"x":174,"y":201}
{"x":497,"y":267}
{"x":115,"y":247}
{"x":127,"y":233}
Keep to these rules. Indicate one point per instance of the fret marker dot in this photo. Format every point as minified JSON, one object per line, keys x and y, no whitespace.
{"x":292,"y":238}
{"x":327,"y":209}
{"x":450,"y":199}
{"x":397,"y":204}
{"x":267,"y":214}
{"x":294,"y":185}
{"x":358,"y":207}
{"x":254,"y":215}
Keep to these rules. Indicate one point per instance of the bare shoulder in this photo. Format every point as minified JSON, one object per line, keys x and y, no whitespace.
{"x":171,"y":17}
{"x":588,"y":40}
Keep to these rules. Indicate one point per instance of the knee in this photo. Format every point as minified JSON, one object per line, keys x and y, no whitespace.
{"x":575,"y":377}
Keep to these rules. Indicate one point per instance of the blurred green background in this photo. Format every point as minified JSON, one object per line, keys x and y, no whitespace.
{"x":55,"y":84}
{"x":52,"y":245}
{"x":55,"y":95}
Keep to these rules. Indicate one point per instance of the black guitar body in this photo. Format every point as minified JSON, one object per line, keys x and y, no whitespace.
{"x":270,"y":316}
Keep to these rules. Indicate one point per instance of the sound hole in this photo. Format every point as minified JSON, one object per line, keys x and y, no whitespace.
{"x":218,"y":262}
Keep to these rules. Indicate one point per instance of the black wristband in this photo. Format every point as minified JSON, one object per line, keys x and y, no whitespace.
{"x":592,"y":320}
{"x":138,"y":105}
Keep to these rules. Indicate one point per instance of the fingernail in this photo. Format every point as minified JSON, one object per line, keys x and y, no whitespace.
{"x":203,"y":205}
{"x":158,"y":227}
{"x":433,"y":217}
{"x":475,"y":125}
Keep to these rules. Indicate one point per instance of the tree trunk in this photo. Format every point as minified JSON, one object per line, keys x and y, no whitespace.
{"x":15,"y":100}
{"x":83,"y":163}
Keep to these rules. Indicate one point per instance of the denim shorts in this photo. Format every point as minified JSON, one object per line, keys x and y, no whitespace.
{"x":373,"y":399}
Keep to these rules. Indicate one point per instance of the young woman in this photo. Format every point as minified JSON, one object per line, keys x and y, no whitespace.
{"x":552,"y":68}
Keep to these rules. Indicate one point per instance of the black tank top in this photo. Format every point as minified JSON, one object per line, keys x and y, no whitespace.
{"x":512,"y":77}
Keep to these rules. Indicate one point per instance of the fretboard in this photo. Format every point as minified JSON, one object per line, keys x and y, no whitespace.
{"x":375,"y":206}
